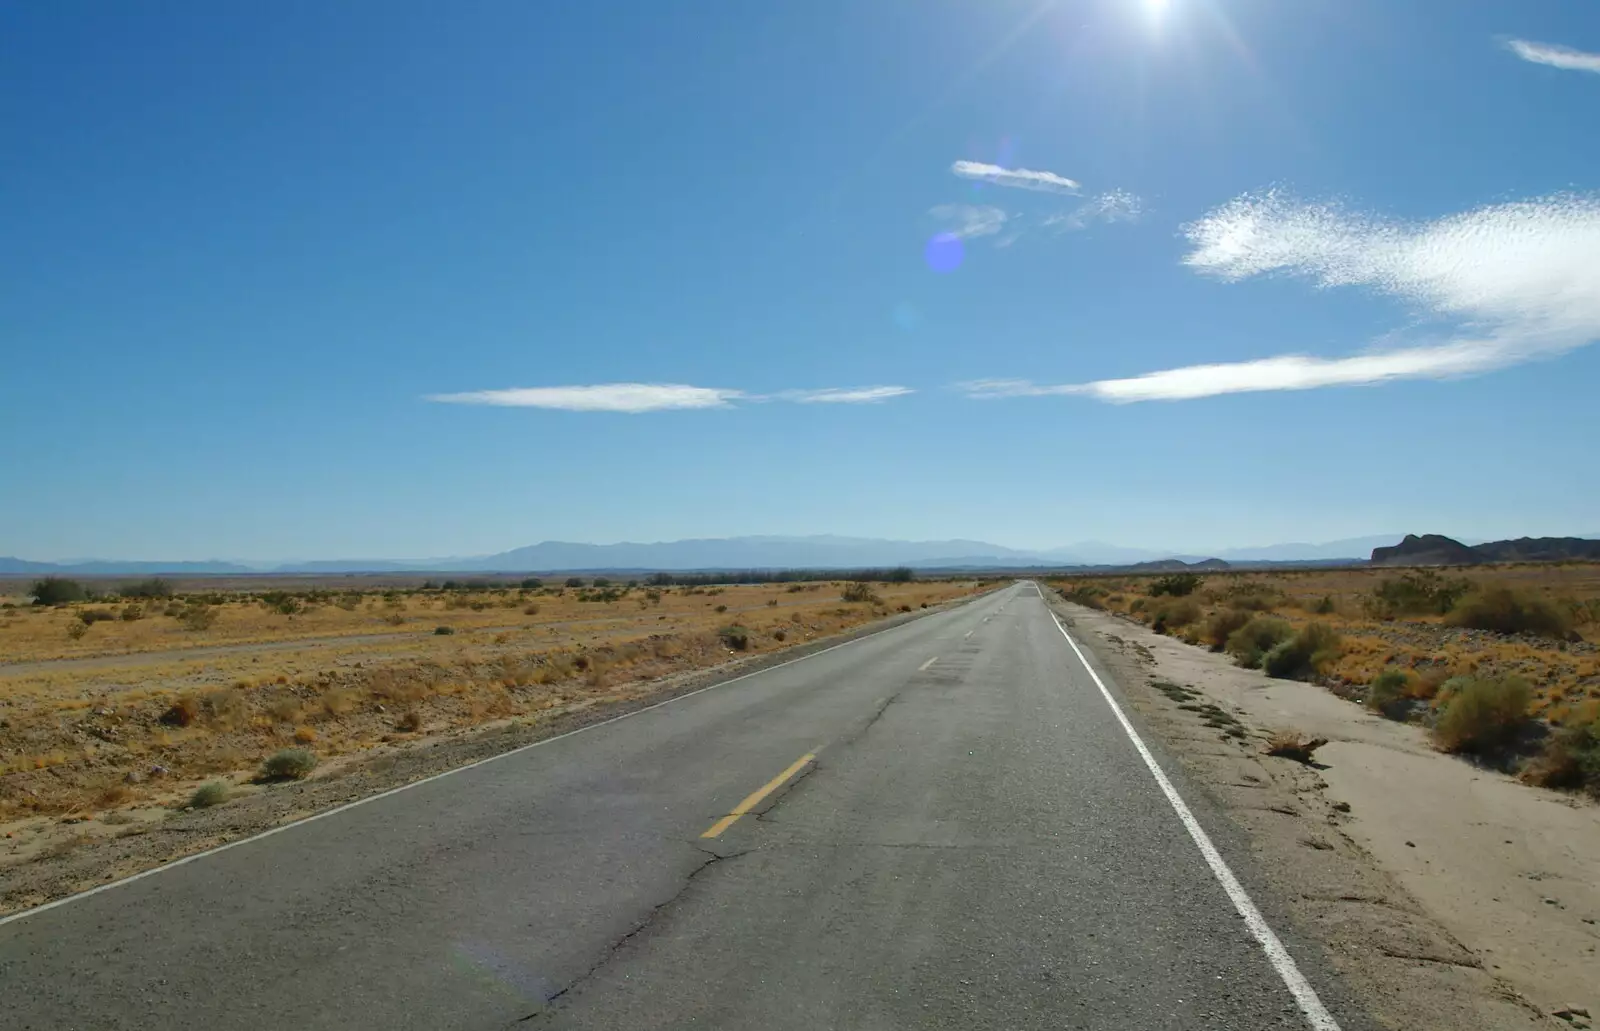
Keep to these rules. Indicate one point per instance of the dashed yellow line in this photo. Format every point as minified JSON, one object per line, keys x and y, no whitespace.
{"x":754,"y":799}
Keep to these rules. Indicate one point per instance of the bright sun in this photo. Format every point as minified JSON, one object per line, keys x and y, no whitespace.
{"x":1156,"y":8}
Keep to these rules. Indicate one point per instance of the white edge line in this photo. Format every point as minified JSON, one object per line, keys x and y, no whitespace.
{"x":314,"y":817}
{"x":1305,"y":996}
{"x":924,"y":667}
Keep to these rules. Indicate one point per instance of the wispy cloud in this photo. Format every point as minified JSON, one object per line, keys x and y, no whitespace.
{"x":1020,"y":178}
{"x":634,"y":398}
{"x":845,"y":395}
{"x":601,"y":397}
{"x":1555,"y":55}
{"x":1111,"y":206}
{"x":969,"y":220}
{"x":1516,"y":282}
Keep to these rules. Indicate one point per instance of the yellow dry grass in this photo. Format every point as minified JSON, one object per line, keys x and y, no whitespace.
{"x":1565,"y":674}
{"x":149,"y":709}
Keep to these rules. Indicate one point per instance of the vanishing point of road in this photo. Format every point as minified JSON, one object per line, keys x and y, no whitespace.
{"x":953,"y":823}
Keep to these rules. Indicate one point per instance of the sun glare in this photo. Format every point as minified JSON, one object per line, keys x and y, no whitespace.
{"x":1156,"y":8}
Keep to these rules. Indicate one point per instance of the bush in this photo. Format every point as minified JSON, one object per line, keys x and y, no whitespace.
{"x":1571,"y":759}
{"x":1177,"y":585}
{"x":1420,"y":593}
{"x":1324,"y":607}
{"x":859,"y":592}
{"x":54,"y":590}
{"x":132,"y":613}
{"x":1504,"y":611}
{"x":213,"y":793}
{"x":735,"y":637}
{"x":1085,"y":594}
{"x":574,"y":581}
{"x":532,"y":583}
{"x":1304,"y":655}
{"x":1222,"y":626}
{"x":444,"y":631}
{"x":1481,"y":714}
{"x":1291,"y":744}
{"x":97,"y":616}
{"x":1251,"y":642}
{"x":1171,"y":615}
{"x":722,"y":608}
{"x":155,"y":587}
{"x":1389,"y":692}
{"x":198,"y":617}
{"x":288,"y":764}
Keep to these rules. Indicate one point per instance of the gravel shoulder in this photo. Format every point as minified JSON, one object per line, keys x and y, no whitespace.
{"x":1448,"y":895}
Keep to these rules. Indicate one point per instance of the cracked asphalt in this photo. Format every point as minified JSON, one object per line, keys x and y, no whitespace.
{"x":976,"y":845}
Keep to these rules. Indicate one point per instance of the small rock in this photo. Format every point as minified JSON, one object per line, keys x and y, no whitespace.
{"x":1550,"y":902}
{"x":1411,"y":844}
{"x":133,"y":777}
{"x":1341,"y":807}
{"x":1568,"y":1012}
{"x":157,"y":772}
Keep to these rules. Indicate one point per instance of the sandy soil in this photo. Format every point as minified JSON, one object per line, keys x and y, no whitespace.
{"x":1454,"y":896}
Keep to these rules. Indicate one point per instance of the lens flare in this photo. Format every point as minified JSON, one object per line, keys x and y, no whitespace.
{"x":943,"y":252}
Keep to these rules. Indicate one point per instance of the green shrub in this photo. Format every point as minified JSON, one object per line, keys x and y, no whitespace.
{"x":859,"y":592}
{"x":735,"y":637}
{"x":198,"y":617}
{"x":532,"y":583}
{"x":1571,"y":759}
{"x":54,"y":590}
{"x":1177,"y":585}
{"x":574,"y":581}
{"x":1170,"y":615}
{"x":1388,"y":693}
{"x":1085,"y":594}
{"x":1251,"y":642}
{"x":155,"y":587}
{"x":1420,"y":593}
{"x":444,"y":631}
{"x":1481,"y":714}
{"x":1304,"y":655}
{"x":1504,"y":611}
{"x":1324,"y":607}
{"x":1221,"y":626}
{"x":288,"y":764}
{"x":209,"y":794}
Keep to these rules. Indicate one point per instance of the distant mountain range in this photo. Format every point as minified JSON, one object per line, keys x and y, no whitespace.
{"x":1434,"y":549}
{"x":816,"y":552}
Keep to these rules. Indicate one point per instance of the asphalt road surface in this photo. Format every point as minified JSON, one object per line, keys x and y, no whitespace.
{"x":976,"y":842}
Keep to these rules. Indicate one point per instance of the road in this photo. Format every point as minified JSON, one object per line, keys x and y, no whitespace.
{"x":975,"y":842}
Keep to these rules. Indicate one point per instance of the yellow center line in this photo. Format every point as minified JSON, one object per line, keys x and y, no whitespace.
{"x":924,"y":667}
{"x":755,"y":797}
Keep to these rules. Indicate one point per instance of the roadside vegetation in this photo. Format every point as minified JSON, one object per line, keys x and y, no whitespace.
{"x":1500,"y":663}
{"x":147,"y":725}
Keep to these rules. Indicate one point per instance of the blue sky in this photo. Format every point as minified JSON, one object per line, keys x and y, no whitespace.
{"x":1190,"y":275}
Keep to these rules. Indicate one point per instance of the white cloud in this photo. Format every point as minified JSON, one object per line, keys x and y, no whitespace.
{"x":603,"y":397}
{"x":1111,"y":206}
{"x":843,"y":395}
{"x":658,"y":397}
{"x":1555,"y":55}
{"x":970,"y":220}
{"x":1021,"y":178}
{"x":1516,"y":281}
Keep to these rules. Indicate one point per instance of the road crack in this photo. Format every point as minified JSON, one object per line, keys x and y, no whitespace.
{"x":712,"y":858}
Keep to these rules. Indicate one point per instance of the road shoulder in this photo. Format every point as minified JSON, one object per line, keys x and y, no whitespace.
{"x":1316,"y":833}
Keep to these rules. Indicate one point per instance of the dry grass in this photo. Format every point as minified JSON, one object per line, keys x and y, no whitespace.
{"x":1291,"y":744}
{"x":172,"y":720}
{"x":1563,"y":674}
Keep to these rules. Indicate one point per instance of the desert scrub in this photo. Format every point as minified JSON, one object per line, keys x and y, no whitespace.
{"x":1480,"y":714}
{"x":1388,"y":693}
{"x":1504,"y":611}
{"x":1304,"y":655}
{"x":1171,"y":615}
{"x":1222,"y":626}
{"x":288,"y":764}
{"x":1571,"y":759}
{"x":735,"y":637}
{"x":1177,"y":585}
{"x":209,"y":794}
{"x":1251,"y":642}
